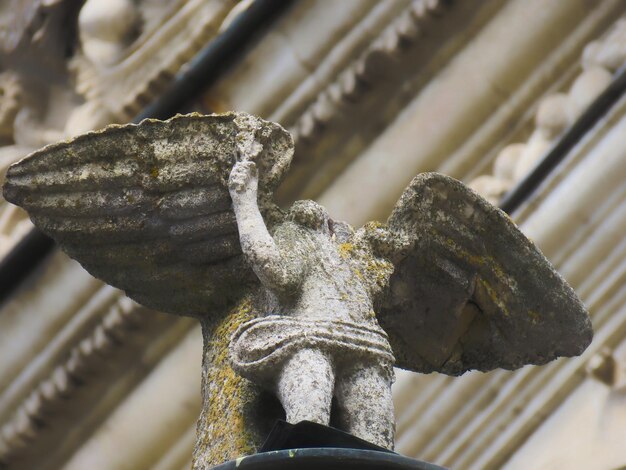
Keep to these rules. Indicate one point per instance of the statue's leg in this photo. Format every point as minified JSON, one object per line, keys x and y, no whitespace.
{"x":305,"y":386}
{"x":363,"y":394}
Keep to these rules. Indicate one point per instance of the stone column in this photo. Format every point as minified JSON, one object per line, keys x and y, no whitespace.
{"x":236,"y":414}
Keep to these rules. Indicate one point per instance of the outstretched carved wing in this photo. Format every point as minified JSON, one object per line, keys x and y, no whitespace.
{"x":146,"y":207}
{"x":473,"y":291}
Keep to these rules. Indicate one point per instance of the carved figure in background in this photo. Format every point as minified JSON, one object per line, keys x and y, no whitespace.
{"x":180,"y":214}
{"x":106,"y":28}
{"x":555,"y":113}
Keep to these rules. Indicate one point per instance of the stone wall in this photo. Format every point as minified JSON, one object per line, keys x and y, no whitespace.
{"x":374,"y":92}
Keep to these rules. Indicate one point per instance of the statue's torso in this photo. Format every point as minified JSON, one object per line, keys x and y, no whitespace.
{"x":331,"y":307}
{"x":333,"y":284}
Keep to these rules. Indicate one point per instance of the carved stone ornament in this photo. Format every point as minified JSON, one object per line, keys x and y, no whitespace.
{"x":180,"y":215}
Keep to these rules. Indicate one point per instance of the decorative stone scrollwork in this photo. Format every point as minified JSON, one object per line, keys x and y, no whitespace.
{"x":27,"y":420}
{"x":36,"y":38}
{"x":366,"y":70}
{"x":129,"y":51}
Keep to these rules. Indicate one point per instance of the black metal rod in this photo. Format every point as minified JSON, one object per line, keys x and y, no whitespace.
{"x":22,"y":260}
{"x":203,"y":70}
{"x":598,"y":108}
{"x":214,"y":59}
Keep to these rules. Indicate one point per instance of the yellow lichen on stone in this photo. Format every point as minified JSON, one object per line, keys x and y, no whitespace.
{"x":379,"y":271}
{"x":374,"y":224}
{"x":534,"y":316}
{"x":358,"y":273}
{"x":345,"y":250}
{"x":477,"y":260}
{"x":223,"y":433}
{"x":493,"y":295}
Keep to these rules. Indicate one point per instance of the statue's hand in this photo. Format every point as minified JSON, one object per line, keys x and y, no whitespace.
{"x":243,"y":179}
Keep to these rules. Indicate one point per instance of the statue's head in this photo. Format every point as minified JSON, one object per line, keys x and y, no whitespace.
{"x":309,"y":214}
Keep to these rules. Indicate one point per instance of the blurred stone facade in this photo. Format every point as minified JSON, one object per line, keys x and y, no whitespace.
{"x":374,"y":93}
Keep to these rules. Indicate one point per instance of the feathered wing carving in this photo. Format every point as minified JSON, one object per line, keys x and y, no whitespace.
{"x":473,"y":291}
{"x":146,"y":207}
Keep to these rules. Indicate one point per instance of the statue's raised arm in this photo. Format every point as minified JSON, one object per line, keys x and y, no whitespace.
{"x":277,"y":271}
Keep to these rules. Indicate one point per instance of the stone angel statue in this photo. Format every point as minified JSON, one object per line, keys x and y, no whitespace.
{"x":180,"y":215}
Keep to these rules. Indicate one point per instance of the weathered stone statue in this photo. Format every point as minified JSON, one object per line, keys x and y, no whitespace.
{"x":319,"y":334}
{"x":180,"y":215}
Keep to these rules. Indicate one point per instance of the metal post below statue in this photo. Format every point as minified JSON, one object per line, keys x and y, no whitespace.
{"x":309,"y":446}
{"x":327,"y":459}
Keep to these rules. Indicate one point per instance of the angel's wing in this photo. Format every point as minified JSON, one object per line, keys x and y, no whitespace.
{"x":146,"y":207}
{"x":473,"y":292}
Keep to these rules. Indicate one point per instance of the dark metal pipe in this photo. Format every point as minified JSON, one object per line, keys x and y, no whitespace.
{"x":215,"y":58}
{"x":22,"y":260}
{"x":202,"y":71}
